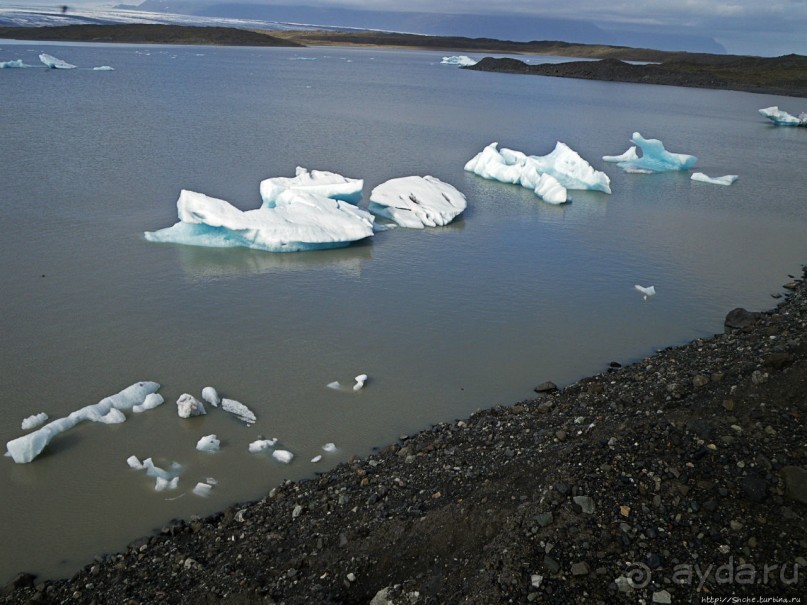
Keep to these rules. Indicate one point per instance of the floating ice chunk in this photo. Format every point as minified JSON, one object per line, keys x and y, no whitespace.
{"x":239,"y":409}
{"x":26,"y":448}
{"x":188,"y":406}
{"x":54,"y":63}
{"x":149,"y":403}
{"x":316,"y":458}
{"x":628,"y":156}
{"x":261,"y":444}
{"x":202,"y":489}
{"x":34,"y":421}
{"x":13,"y":64}
{"x":209,"y":443}
{"x":655,"y":158}
{"x":360,"y":380}
{"x":211,"y":395}
{"x":163,"y":484}
{"x":335,"y":385}
{"x":647,"y":291}
{"x":458,"y":60}
{"x":134,"y":462}
{"x":329,"y":447}
{"x":717,"y":180}
{"x":417,"y":201}
{"x":782,"y":118}
{"x":318,"y":182}
{"x":283,"y":456}
{"x":103,"y":68}
{"x":297,"y":221}
{"x":565,"y":165}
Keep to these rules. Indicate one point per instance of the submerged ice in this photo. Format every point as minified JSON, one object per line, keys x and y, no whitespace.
{"x":654,"y":158}
{"x":549,"y":176}
{"x":417,"y":202}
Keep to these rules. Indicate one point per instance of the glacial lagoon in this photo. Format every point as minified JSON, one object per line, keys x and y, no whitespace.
{"x":443,"y":321}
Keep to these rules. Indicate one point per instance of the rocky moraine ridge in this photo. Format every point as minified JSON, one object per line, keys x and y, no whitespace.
{"x":678,"y":479}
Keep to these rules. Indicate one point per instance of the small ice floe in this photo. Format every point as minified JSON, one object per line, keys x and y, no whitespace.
{"x":188,"y":406}
{"x":316,"y":458}
{"x":103,"y":68}
{"x":202,"y":489}
{"x":239,"y":409}
{"x":261,"y":445}
{"x":329,"y":447}
{"x":717,"y":180}
{"x":151,"y":401}
{"x":782,"y":118}
{"x":648,"y":291}
{"x":16,"y":63}
{"x":283,"y":456}
{"x":54,"y":63}
{"x":24,"y":449}
{"x":655,"y":158}
{"x":462,"y":60}
{"x":417,"y":202}
{"x":208,"y":443}
{"x":34,"y":421}
{"x":165,"y":479}
{"x":211,"y":395}
{"x":360,"y":380}
{"x":335,"y":385}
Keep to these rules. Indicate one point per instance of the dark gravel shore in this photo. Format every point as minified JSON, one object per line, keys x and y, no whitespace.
{"x":679,"y":479}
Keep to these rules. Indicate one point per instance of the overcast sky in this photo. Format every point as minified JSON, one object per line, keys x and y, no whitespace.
{"x":767,"y":27}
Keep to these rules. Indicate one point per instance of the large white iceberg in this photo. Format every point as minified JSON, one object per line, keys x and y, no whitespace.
{"x":564,"y":165}
{"x":417,"y":201}
{"x":716,"y":180}
{"x":655,"y":158}
{"x":296,"y":221}
{"x":782,"y":118}
{"x":54,"y":63}
{"x":463,"y":60}
{"x":318,"y":182}
{"x":26,"y":448}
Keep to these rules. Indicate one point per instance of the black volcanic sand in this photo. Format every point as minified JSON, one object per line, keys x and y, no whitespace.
{"x":680,"y":477}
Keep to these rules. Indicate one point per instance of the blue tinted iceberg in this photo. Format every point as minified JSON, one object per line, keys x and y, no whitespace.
{"x":717,"y":180}
{"x":318,"y":182}
{"x":782,"y":118}
{"x":628,"y":156}
{"x":548,"y":176}
{"x":54,"y":63}
{"x":109,"y":411}
{"x":655,"y":158}
{"x":295,"y":221}
{"x":417,"y":202}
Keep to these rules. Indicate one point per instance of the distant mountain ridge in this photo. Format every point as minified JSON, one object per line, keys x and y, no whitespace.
{"x":518,"y":28}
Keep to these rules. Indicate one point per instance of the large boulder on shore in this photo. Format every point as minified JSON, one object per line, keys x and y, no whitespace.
{"x":740,"y":319}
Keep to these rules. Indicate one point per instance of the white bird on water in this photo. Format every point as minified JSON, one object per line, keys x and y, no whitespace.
{"x":647,"y":291}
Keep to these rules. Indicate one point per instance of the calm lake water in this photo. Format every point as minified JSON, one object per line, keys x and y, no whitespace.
{"x":444,"y":321}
